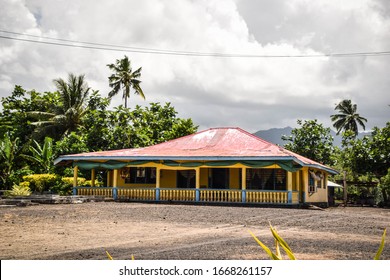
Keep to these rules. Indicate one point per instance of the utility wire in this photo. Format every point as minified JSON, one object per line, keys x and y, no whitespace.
{"x":109,"y":47}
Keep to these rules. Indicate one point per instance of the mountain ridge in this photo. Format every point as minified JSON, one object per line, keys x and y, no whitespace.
{"x":274,"y":135}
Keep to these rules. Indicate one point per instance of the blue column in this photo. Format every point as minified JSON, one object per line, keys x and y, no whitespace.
{"x":115,"y":193}
{"x":197,"y":195}
{"x":157,"y":194}
{"x":243,"y":196}
{"x":289,"y":197}
{"x":74,"y":191}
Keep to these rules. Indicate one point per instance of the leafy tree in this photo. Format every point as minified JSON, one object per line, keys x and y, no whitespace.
{"x":156,"y":124}
{"x":97,"y":128}
{"x":347,"y":118}
{"x":72,"y":143}
{"x":15,"y":117}
{"x":124,"y":78}
{"x":67,"y":117}
{"x":311,"y":140}
{"x":369,"y":155}
{"x":122,"y":128}
{"x":385,"y":187}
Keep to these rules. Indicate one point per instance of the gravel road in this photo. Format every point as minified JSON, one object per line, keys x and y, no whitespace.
{"x":187,"y":232}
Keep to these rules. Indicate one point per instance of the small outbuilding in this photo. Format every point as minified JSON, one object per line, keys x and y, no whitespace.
{"x":217,"y":165}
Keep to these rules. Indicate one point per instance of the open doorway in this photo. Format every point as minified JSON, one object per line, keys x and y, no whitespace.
{"x":219,"y":178}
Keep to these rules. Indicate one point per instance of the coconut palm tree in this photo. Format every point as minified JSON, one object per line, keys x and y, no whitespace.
{"x":73,"y":95}
{"x":347,"y":118}
{"x":124,"y":78}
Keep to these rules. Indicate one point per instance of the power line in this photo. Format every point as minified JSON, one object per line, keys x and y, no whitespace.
{"x":111,"y":47}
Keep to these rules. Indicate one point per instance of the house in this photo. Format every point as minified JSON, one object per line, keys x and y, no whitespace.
{"x":217,"y":165}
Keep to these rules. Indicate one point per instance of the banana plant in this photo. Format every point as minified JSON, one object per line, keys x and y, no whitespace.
{"x":43,"y":156}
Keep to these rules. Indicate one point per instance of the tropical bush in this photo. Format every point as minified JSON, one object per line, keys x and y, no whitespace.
{"x":69,"y":181}
{"x":88,"y":183}
{"x":41,"y":182}
{"x":23,"y":189}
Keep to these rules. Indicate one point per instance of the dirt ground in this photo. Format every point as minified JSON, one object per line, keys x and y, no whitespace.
{"x":187,"y":232}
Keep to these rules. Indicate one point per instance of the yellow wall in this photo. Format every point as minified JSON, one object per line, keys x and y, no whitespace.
{"x":168,"y":179}
{"x":321,"y":194}
{"x":234,"y":178}
{"x":295,"y":181}
{"x":204,"y":177}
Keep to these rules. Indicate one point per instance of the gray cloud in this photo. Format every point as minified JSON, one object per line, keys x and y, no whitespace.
{"x":253,"y":93}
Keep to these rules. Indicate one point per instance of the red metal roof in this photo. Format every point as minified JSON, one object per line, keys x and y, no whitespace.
{"x":213,"y":143}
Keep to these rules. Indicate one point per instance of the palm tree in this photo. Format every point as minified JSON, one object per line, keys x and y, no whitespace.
{"x":347,"y":118}
{"x":124,"y":78}
{"x":73,"y":95}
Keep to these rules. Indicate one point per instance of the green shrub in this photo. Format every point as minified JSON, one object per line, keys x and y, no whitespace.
{"x":69,"y":181}
{"x":64,"y":185}
{"x":88,"y":183}
{"x":41,"y":182}
{"x":81,"y":182}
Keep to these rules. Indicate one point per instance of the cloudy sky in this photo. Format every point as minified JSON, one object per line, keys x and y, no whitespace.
{"x":275,"y":66}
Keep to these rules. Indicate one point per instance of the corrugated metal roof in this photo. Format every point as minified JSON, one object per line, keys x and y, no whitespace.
{"x":214,"y":143}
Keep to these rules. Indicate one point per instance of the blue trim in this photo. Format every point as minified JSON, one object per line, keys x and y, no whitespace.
{"x":327,"y":169}
{"x":75,"y":191}
{"x":157,"y":194}
{"x":243,"y":196}
{"x":197,"y":195}
{"x":289,"y":197}
{"x":115,"y":193}
{"x":157,"y":158}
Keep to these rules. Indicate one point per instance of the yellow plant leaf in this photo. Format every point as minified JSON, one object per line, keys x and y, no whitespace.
{"x":265,"y":248}
{"x":382,"y":245}
{"x":277,"y":249}
{"x":282,"y":243}
{"x":109,"y":256}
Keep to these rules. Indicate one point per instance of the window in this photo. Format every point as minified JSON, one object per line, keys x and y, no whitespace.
{"x":312,"y":186}
{"x":316,"y":181}
{"x":141,"y":175}
{"x":266,"y":179}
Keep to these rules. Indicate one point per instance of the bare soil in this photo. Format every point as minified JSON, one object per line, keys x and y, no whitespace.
{"x":188,"y":232}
